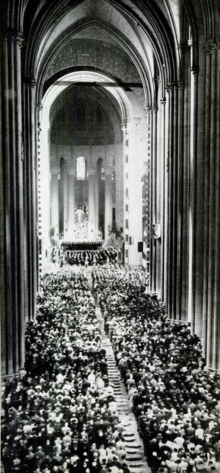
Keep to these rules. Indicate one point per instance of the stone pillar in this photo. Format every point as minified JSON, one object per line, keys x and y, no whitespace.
{"x":108,"y":201}
{"x":13,"y":316}
{"x":180,"y":307}
{"x":44,"y":188}
{"x":177,"y":201}
{"x":39,"y":202}
{"x":174,"y":196}
{"x":125,"y":180}
{"x":71,"y":203}
{"x":184,"y":166}
{"x":119,"y":166}
{"x":164,"y":129}
{"x":2,"y":237}
{"x":30,"y":211}
{"x":152,"y":111}
{"x":65,"y":203}
{"x":171,"y":297}
{"x":97,"y":205}
{"x":55,"y":176}
{"x":91,"y":200}
{"x":209,"y":214}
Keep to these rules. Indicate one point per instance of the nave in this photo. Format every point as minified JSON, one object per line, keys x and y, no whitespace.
{"x":68,"y":411}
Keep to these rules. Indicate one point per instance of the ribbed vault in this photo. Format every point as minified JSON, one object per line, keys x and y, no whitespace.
{"x":149,"y":46}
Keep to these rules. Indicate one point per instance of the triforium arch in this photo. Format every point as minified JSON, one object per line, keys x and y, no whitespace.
{"x":166,"y":70}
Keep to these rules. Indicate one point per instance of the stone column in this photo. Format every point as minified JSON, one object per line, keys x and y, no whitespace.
{"x":97,"y":205}
{"x":38,"y":230}
{"x":44,"y":188}
{"x":186,"y":235}
{"x":108,"y":201}
{"x":13,"y":316}
{"x":172,"y":202}
{"x":181,"y":305}
{"x":209,"y":214}
{"x":164,"y":126}
{"x":91,"y":200}
{"x":177,"y":202}
{"x":55,"y":176}
{"x":119,"y":184}
{"x":152,"y":111}
{"x":71,"y":203}
{"x":30,"y":216}
{"x":65,"y":203}
{"x":176,"y":169}
{"x":125,"y":174}
{"x":2,"y":235}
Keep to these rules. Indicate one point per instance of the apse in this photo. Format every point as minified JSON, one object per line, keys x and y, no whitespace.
{"x":82,"y":164}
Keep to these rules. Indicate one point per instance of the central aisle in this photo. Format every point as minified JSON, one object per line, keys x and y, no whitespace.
{"x":134,"y":445}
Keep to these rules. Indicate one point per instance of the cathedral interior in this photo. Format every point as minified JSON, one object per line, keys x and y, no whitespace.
{"x":109,"y":213}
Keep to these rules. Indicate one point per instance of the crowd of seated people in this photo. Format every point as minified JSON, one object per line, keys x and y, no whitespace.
{"x":81,"y":245}
{"x":91,"y":257}
{"x":132,"y":279}
{"x":59,"y":414}
{"x":174,"y":397}
{"x":84,"y":257}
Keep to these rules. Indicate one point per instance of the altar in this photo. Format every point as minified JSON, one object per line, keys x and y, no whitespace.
{"x":81,"y":202}
{"x":80,"y":231}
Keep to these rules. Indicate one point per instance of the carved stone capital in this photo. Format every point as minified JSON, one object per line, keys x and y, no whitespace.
{"x":195,"y":69}
{"x":125,"y":127}
{"x":39,"y":107}
{"x":155,"y":231}
{"x":163,"y":101}
{"x":14,"y":36}
{"x":169,"y":88}
{"x":149,"y":110}
{"x":31,"y":82}
{"x":174,"y":85}
{"x":212,"y":45}
{"x":19,"y":39}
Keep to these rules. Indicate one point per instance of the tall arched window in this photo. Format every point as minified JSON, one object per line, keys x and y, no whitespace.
{"x":81,"y":169}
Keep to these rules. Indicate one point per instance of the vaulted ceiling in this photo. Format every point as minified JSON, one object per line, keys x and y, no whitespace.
{"x":81,"y":119}
{"x":137,"y":43}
